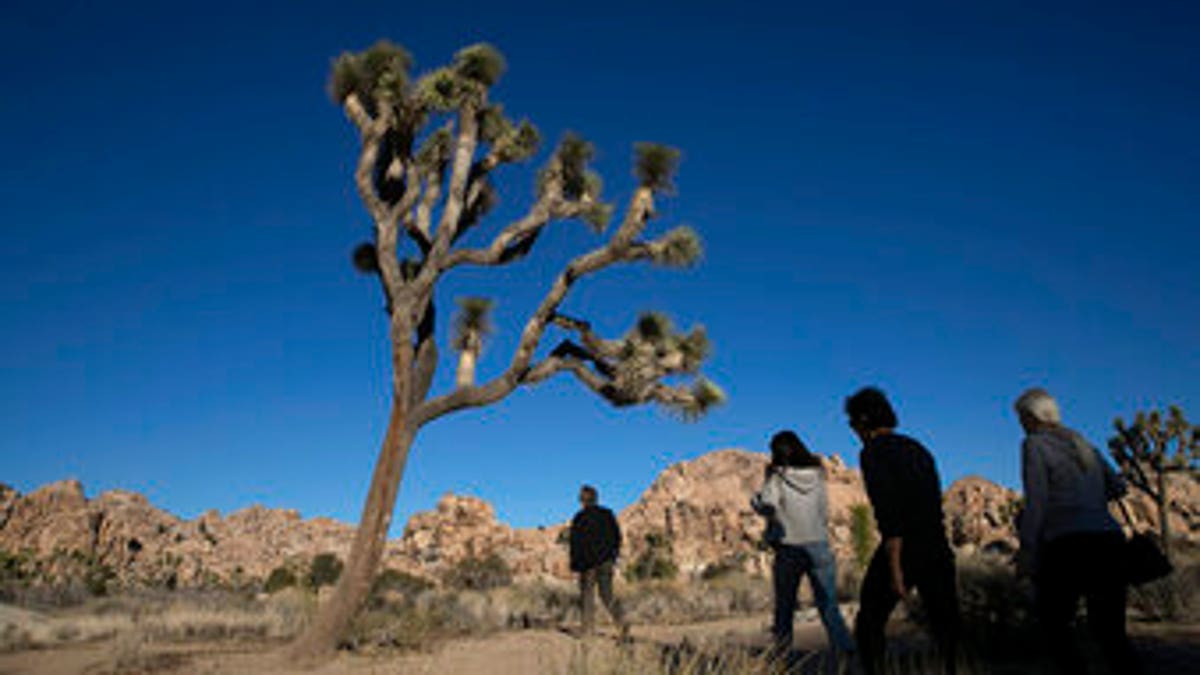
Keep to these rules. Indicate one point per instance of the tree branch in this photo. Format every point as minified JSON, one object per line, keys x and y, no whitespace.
{"x":504,"y":384}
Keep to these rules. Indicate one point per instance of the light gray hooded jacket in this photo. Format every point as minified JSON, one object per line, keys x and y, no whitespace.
{"x":796,"y":498}
{"x":1067,"y":489}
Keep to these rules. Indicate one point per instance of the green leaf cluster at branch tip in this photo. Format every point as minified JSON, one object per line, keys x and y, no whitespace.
{"x":655,"y":166}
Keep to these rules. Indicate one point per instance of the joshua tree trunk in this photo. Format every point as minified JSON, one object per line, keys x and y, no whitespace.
{"x":334,"y":617}
{"x":1164,"y":525}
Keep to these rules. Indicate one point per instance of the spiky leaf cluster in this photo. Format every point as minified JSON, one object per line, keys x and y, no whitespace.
{"x":366,"y":258}
{"x":435,"y":152}
{"x":655,"y":166}
{"x":706,"y":395}
{"x":472,"y":323}
{"x":511,"y":142}
{"x":481,"y":63}
{"x":379,"y":72}
{"x":573,"y":155}
{"x":680,"y":247}
{"x":654,"y":336}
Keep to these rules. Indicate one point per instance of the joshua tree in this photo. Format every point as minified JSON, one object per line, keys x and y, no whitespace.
{"x":429,"y":149}
{"x":1152,"y":448}
{"x":470,"y":328}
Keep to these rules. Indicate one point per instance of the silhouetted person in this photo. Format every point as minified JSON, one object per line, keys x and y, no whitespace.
{"x":906,"y":496}
{"x":1070,"y":543}
{"x":595,"y":546}
{"x":794,"y":500}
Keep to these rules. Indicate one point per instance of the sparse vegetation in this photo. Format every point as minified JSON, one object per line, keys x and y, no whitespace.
{"x":324,"y":570}
{"x":479,"y":574}
{"x":862,"y":534}
{"x":280,"y":578}
{"x":1154,"y":447}
{"x":655,"y":562}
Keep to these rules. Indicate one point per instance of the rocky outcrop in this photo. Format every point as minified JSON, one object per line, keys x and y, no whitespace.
{"x":981,"y":515}
{"x":699,"y":508}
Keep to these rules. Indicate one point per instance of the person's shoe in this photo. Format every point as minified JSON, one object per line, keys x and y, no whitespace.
{"x":623,"y":634}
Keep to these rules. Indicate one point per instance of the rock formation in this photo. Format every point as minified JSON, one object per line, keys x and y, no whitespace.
{"x":700,"y":508}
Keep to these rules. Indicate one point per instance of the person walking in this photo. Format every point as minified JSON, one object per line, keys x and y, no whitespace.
{"x":1070,"y":543}
{"x":905,"y":493}
{"x":793,"y":498}
{"x":595,"y":547}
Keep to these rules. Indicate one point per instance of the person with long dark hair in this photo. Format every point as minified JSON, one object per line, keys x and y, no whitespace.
{"x":793,"y":499}
{"x":1070,"y":543}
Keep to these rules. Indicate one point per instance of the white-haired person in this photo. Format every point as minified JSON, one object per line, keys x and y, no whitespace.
{"x":1070,"y":543}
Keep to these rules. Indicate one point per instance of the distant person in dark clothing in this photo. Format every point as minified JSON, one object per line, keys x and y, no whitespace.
{"x":1070,"y":543}
{"x":595,"y":546}
{"x":906,"y":496}
{"x":794,"y":500}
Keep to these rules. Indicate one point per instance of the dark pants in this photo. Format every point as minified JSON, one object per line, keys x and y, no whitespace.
{"x":929,"y":569}
{"x":1088,"y":565}
{"x":816,"y":561}
{"x":602,"y":576}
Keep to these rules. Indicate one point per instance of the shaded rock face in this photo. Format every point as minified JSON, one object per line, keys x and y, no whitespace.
{"x":699,"y":507}
{"x":981,"y":515}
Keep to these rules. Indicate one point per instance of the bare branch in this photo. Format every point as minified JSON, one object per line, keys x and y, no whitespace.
{"x":464,"y":154}
{"x":357,"y":113}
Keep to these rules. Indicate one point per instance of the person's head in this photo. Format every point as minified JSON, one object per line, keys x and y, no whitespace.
{"x":1037,"y":409}
{"x":870,"y":413}
{"x":788,"y":450}
{"x":588,"y":496}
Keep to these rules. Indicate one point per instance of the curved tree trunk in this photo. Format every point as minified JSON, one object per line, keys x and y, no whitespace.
{"x":334,"y":617}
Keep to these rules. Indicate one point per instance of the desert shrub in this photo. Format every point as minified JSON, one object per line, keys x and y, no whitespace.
{"x":1174,"y":598}
{"x":398,"y":581}
{"x":862,"y":534}
{"x":725,"y":567}
{"x":479,"y":574}
{"x":279,"y":579}
{"x":655,"y":562}
{"x":996,"y":608}
{"x":325,"y":570}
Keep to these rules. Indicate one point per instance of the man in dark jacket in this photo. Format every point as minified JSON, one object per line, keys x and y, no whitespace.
{"x":595,"y":546}
{"x":906,"y":495}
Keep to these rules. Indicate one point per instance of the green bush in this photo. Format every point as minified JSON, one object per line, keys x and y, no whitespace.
{"x":862,"y":534}
{"x":325,"y":570}
{"x":391,"y":585}
{"x":654,"y":562}
{"x":479,"y":574}
{"x":279,"y":579}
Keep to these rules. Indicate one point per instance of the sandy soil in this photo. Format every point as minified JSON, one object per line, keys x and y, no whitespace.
{"x":1172,"y":649}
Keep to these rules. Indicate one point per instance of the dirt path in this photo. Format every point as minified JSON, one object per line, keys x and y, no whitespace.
{"x":1172,"y":650}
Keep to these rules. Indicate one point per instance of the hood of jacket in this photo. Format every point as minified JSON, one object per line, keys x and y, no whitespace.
{"x":801,"y":479}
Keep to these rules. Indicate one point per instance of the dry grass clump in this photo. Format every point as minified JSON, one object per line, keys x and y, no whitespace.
{"x":1174,"y":598}
{"x":731,"y":594}
{"x":158,"y":618}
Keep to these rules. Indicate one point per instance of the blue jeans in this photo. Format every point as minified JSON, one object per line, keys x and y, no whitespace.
{"x":815,"y":560}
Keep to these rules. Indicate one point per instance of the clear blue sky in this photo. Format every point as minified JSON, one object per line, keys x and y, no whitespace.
{"x":952,"y":202}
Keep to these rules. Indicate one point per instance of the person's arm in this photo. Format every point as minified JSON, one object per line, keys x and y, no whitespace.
{"x":895,"y":548}
{"x":576,"y":539}
{"x":1036,"y":487}
{"x":766,"y":502}
{"x":885,"y":499}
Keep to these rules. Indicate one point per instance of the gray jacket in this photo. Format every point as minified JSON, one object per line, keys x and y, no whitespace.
{"x":1067,"y":488}
{"x":795,"y":497}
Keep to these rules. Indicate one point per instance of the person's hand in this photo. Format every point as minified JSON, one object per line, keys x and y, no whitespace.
{"x":898,"y":583}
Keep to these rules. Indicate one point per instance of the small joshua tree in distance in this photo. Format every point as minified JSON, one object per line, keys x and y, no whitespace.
{"x":1151,"y":449}
{"x":430,"y":146}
